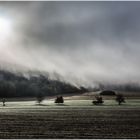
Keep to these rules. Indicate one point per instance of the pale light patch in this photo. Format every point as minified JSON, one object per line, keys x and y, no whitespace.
{"x":5,"y":28}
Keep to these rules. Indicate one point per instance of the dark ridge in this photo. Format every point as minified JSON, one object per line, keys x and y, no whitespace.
{"x":16,"y":85}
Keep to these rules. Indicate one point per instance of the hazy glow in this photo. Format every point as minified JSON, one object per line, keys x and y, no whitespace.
{"x":5,"y":28}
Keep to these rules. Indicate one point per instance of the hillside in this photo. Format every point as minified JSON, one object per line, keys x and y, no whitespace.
{"x":17,"y":85}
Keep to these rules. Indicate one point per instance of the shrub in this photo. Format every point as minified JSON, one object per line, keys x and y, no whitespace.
{"x":59,"y":99}
{"x":99,"y":100}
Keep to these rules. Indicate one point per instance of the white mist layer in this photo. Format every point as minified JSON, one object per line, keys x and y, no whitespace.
{"x":85,"y":66}
{"x":80,"y":43}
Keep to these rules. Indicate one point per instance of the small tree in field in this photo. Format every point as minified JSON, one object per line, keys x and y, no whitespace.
{"x":3,"y":101}
{"x":120,"y":99}
{"x":40,"y":98}
{"x":59,"y":99}
{"x":99,"y":100}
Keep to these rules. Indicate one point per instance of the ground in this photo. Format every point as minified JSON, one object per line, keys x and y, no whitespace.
{"x":73,"y":119}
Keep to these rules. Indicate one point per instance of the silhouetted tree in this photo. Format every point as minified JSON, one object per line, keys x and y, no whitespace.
{"x":40,"y":97}
{"x":99,"y":100}
{"x":120,"y":99}
{"x":3,"y":101}
{"x":59,"y":99}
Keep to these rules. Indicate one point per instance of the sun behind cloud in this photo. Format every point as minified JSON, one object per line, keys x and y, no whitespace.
{"x":5,"y":28}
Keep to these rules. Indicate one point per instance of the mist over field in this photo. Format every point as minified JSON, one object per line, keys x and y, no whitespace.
{"x":83,"y":43}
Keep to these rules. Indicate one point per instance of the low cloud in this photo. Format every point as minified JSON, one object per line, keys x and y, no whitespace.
{"x":85,"y":43}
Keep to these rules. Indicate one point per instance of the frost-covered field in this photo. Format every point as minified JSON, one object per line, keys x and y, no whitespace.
{"x":74,"y":119}
{"x":131,"y":103}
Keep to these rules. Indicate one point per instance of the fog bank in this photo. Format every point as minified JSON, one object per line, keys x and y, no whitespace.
{"x":83,"y":43}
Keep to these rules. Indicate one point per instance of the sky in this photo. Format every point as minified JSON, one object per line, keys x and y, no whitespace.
{"x":83,"y":43}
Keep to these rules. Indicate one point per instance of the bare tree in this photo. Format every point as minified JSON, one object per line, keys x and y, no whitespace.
{"x":120,"y":99}
{"x":3,"y":101}
{"x":40,"y":98}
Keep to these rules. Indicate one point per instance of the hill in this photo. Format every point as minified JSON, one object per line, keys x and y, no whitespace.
{"x":17,"y":85}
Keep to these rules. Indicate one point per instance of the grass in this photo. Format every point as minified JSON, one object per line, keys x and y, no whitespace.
{"x":69,"y":103}
{"x":74,"y":119}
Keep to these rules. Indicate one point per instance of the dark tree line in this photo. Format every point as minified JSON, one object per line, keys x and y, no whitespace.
{"x":12,"y":85}
{"x":131,"y":87}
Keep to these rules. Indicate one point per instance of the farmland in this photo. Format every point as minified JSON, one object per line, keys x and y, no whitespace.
{"x":73,"y":119}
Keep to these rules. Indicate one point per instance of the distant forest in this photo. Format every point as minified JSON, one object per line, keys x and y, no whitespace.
{"x":12,"y":85}
{"x":17,"y":85}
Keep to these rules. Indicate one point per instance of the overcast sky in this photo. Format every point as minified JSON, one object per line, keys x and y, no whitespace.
{"x":84,"y":42}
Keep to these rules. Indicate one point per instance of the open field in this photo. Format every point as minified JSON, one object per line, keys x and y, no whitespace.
{"x":74,"y":119}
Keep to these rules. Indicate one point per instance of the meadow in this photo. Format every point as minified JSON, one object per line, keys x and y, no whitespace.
{"x":73,"y":119}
